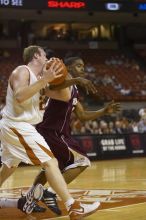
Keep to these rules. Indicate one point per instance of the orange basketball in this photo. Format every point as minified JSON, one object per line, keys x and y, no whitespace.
{"x":63,"y":71}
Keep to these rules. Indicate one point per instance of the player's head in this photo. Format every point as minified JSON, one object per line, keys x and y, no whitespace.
{"x":49,"y":53}
{"x":75,"y":66}
{"x":34,"y":52}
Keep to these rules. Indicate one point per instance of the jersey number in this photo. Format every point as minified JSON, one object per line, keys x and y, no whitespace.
{"x":43,"y":100}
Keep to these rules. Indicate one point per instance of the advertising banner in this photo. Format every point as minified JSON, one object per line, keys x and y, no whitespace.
{"x":113,"y":146}
{"x":89,"y":145}
{"x":135,"y":144}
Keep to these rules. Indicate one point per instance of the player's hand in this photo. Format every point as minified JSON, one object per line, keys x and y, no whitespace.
{"x":87,"y":85}
{"x":112,"y":107}
{"x":54,"y":71}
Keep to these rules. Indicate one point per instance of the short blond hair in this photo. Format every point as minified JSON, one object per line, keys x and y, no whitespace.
{"x":29,"y":52}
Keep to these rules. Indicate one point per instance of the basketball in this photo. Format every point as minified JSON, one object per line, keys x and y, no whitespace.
{"x":63,"y":71}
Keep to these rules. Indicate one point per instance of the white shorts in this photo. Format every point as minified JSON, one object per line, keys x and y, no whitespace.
{"x":21,"y":142}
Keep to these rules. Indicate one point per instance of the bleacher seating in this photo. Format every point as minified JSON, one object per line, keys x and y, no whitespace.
{"x":128,"y":77}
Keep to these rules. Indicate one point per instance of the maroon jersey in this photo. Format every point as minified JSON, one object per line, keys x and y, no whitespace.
{"x":55,"y":128}
{"x":57,"y":115}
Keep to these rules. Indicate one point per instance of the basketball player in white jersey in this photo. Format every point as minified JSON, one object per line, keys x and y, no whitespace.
{"x":20,"y":140}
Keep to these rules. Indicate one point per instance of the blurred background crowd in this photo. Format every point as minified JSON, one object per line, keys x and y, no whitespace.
{"x":113,"y":49}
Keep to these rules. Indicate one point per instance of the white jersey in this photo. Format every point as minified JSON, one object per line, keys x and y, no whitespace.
{"x":28,"y":111}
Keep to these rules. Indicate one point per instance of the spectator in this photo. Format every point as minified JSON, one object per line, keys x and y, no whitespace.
{"x":142,"y":125}
{"x":89,"y":68}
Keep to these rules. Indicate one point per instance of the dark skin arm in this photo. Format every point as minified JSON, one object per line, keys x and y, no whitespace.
{"x":84,"y":115}
{"x":85,"y":83}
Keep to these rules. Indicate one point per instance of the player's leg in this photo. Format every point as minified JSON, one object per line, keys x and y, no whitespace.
{"x":49,"y":198}
{"x":26,"y":203}
{"x":72,"y":173}
{"x":34,"y":150}
{"x":75,"y":166}
{"x":78,"y":163}
{"x":9,"y":163}
{"x":69,"y":175}
{"x":40,"y":178}
{"x":65,"y":155}
{"x":55,"y":179}
{"x":71,"y":162}
{"x":57,"y":182}
{"x":5,"y":172}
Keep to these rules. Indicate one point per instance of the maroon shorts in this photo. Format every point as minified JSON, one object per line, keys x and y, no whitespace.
{"x":61,"y":147}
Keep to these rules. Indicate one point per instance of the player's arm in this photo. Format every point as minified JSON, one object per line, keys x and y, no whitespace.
{"x":19,"y":82}
{"x":20,"y":77}
{"x":60,"y":94}
{"x":85,"y":83}
{"x":84,"y":115}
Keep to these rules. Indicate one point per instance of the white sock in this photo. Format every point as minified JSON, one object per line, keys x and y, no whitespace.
{"x":7,"y":203}
{"x":69,"y":202}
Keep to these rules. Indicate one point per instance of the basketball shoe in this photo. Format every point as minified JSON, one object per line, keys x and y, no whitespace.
{"x":50,"y":200}
{"x":27,"y":203}
{"x":38,"y":208}
{"x":79,"y":210}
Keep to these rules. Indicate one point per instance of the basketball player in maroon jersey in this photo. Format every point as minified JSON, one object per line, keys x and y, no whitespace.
{"x":55,"y":127}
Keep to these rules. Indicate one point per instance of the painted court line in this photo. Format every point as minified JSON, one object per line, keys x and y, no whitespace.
{"x":120,"y":207}
{"x":65,"y":216}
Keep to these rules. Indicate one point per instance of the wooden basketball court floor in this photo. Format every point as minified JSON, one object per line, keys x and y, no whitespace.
{"x":120,"y":185}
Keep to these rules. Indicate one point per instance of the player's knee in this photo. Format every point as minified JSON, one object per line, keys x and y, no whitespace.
{"x":53,"y":162}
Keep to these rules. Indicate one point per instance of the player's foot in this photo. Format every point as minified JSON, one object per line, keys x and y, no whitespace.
{"x":38,"y":208}
{"x":79,"y":210}
{"x":27,"y":203}
{"x":50,"y":201}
